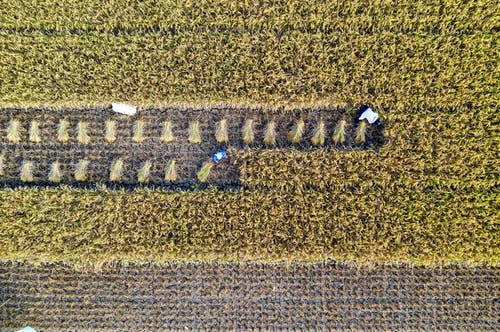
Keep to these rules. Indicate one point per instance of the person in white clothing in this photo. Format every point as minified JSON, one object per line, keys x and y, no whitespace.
{"x":366,"y":113}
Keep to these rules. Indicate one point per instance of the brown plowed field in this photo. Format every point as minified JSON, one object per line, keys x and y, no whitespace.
{"x":250,"y":296}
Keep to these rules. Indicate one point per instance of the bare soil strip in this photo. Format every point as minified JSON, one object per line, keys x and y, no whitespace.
{"x":249,"y":296}
{"x":138,"y":139}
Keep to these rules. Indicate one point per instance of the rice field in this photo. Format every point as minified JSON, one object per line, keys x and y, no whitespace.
{"x":314,"y":219}
{"x":249,"y":296}
{"x":427,"y":194}
{"x":392,"y":54}
{"x":139,"y":150}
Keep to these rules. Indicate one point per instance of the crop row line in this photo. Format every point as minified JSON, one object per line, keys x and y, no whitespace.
{"x":15,"y":133}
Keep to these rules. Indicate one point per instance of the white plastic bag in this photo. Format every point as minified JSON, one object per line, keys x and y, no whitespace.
{"x":124,"y":108}
{"x":369,"y":115}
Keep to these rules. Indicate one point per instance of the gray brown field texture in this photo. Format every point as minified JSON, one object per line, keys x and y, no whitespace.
{"x":321,"y":296}
{"x":141,"y":139}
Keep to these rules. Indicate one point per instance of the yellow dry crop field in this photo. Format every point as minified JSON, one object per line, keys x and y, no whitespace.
{"x":398,"y":225}
{"x":453,"y":148}
{"x":391,"y":53}
{"x":307,"y":15}
{"x":428,"y":195}
{"x":249,"y":68}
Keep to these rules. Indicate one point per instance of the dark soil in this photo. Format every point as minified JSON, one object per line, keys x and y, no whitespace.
{"x":249,"y":296}
{"x":189,"y":157}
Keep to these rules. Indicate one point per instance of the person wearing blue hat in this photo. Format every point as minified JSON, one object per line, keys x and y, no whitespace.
{"x":219,"y":156}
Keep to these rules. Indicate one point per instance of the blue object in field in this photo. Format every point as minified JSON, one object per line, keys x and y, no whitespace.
{"x":218,"y":156}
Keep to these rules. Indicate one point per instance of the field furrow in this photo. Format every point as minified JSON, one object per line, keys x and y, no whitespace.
{"x":46,"y":137}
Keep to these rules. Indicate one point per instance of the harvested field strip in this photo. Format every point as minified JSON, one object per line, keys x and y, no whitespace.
{"x":101,"y":137}
{"x":325,"y":16}
{"x":248,"y":296}
{"x":249,"y":68}
{"x":86,"y":227}
{"x":457,"y":148}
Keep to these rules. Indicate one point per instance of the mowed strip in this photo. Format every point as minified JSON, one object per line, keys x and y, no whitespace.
{"x":252,"y":16}
{"x":388,"y":69}
{"x":89,"y":228}
{"x":95,"y":144}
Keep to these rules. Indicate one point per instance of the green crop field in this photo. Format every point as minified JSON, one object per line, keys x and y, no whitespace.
{"x":428,"y":195}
